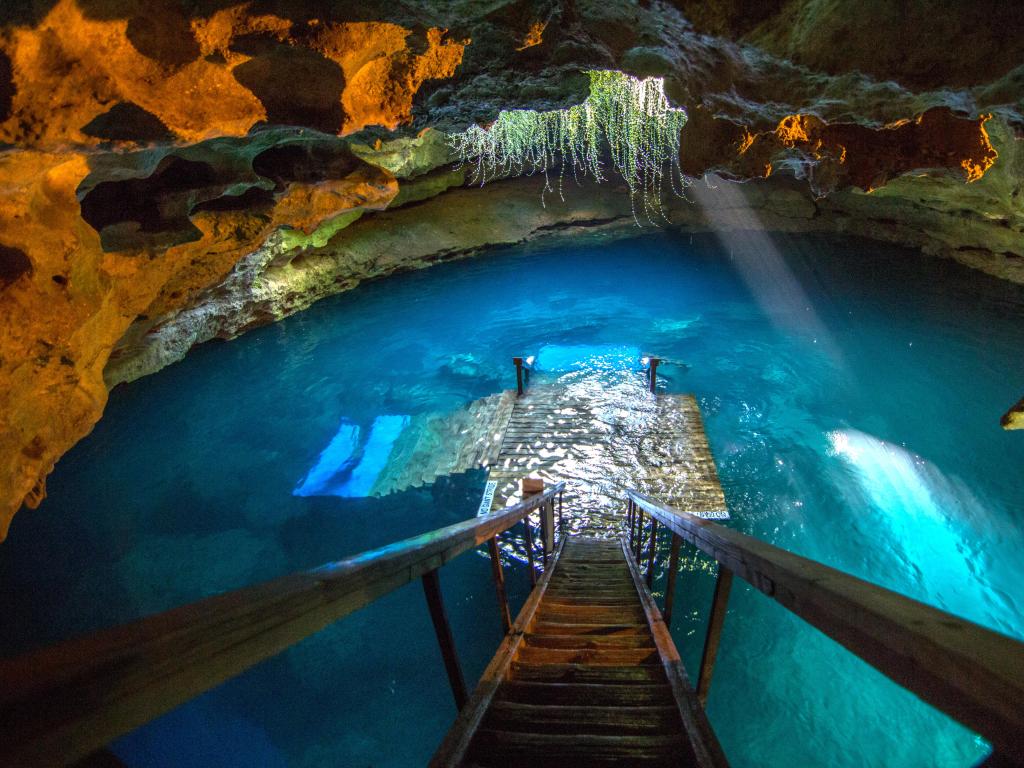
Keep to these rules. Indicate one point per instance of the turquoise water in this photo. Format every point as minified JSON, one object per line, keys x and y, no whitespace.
{"x":851,"y":394}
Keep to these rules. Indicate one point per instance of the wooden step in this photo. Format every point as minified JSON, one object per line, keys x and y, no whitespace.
{"x":563,"y":594}
{"x":581,"y":628}
{"x":593,"y":656}
{"x":589,"y":614}
{"x":548,"y":640}
{"x":501,"y":747}
{"x":531,"y":718}
{"x":584,"y":673}
{"x":610,"y":601}
{"x":595,"y":694}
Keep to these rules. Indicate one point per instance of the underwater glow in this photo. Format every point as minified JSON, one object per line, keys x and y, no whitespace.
{"x":631,"y":117}
{"x":343,"y":470}
{"x":587,"y":357}
{"x":934,"y":519}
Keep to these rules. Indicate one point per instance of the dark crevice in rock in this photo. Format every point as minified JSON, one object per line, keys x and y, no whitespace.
{"x":6,"y":86}
{"x":126,"y":121}
{"x":166,"y":38}
{"x":253,"y":199}
{"x":729,"y":18}
{"x":306,"y":162}
{"x":14,"y":263}
{"x":25,"y":13}
{"x":158,"y":205}
{"x":297,"y":86}
{"x":581,"y":223}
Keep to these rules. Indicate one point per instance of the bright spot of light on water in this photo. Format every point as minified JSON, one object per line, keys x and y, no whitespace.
{"x":927,"y":522}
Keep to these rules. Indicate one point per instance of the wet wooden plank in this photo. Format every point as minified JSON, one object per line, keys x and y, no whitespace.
{"x":660,"y":445}
{"x":529,"y":718}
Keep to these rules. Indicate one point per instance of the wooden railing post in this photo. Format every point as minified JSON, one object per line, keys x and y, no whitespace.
{"x":518,"y":363}
{"x":529,"y":551}
{"x":547,"y":530}
{"x":561,"y":521}
{"x":653,"y":373}
{"x":638,"y":541}
{"x":652,"y":550}
{"x":435,"y":602}
{"x":499,"y":585}
{"x":534,"y":486}
{"x":718,"y":605}
{"x":670,"y":588}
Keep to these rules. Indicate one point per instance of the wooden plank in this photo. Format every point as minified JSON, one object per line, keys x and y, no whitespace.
{"x":564,"y":748}
{"x":579,"y":641}
{"x":529,"y":718}
{"x":971,"y":673}
{"x":595,"y":694}
{"x":583,"y":673}
{"x":583,"y":628}
{"x":615,"y":657}
{"x":64,"y":702}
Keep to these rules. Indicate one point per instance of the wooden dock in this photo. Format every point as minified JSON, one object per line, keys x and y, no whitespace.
{"x":600,"y":446}
{"x":599,"y":436}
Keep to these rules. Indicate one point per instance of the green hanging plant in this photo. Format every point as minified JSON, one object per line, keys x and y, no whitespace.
{"x":630,"y":117}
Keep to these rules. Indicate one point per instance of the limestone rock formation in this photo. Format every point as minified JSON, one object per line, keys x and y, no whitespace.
{"x":173,"y":171}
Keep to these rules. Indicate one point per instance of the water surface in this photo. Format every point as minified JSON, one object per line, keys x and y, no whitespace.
{"x":851,"y":394}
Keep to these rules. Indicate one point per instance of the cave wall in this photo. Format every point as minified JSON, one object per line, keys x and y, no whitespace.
{"x":173,"y":172}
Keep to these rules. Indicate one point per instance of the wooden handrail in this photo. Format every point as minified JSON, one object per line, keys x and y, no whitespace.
{"x":61,"y":703}
{"x":974,"y":675}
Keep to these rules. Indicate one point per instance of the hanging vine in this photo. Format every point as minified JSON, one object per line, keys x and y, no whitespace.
{"x":630,"y":117}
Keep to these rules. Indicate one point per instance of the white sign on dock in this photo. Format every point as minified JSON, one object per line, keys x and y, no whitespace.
{"x":488,"y":498}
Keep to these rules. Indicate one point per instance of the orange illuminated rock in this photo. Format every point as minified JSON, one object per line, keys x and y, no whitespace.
{"x":151,"y":73}
{"x":534,"y":35}
{"x":856,"y":155}
{"x":64,"y":303}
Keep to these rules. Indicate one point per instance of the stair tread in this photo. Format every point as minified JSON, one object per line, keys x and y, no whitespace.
{"x":592,"y":656}
{"x":569,"y":672}
{"x":583,"y":628}
{"x":534,"y":692}
{"x":549,"y":640}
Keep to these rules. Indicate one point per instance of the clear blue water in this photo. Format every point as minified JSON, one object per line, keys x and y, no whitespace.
{"x":851,"y":394}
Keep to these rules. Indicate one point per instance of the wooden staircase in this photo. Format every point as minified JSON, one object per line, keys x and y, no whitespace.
{"x":588,"y":676}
